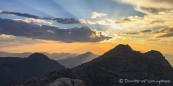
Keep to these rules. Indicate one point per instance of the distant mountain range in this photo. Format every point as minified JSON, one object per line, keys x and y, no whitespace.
{"x":120,"y":66}
{"x":75,"y":61}
{"x":55,"y":56}
{"x":61,"y":56}
{"x":16,"y":70}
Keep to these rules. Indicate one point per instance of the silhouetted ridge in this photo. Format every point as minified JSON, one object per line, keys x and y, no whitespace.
{"x":154,"y":53}
{"x":117,"y":64}
{"x":122,"y":62}
{"x":120,"y":50}
{"x":88,"y":53}
{"x":122,"y":47}
{"x":38,"y":56}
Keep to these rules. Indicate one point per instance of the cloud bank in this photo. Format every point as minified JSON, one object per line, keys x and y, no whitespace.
{"x":59,"y":20}
{"x":166,"y":32}
{"x":150,"y":6}
{"x":30,"y":30}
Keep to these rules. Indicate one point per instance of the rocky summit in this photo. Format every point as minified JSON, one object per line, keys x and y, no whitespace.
{"x":121,"y":66}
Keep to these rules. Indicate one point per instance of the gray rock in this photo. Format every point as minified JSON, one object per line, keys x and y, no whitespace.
{"x":67,"y":82}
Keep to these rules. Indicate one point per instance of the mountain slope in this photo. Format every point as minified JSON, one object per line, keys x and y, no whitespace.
{"x":75,"y":61}
{"x":123,"y":63}
{"x":36,"y":65}
{"x":10,"y":59}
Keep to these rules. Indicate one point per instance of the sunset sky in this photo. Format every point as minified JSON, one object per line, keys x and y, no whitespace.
{"x":79,"y":26}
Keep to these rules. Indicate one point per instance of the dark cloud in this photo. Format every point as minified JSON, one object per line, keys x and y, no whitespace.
{"x":133,"y":33}
{"x":168,"y":32}
{"x":123,"y":20}
{"x":59,"y":20}
{"x":166,"y":35}
{"x":139,"y":32}
{"x":30,"y":30}
{"x":67,"y":20}
{"x":146,"y":31}
{"x":149,"y":10}
{"x":163,"y":30}
{"x":21,"y":14}
{"x":156,"y":22}
{"x":126,"y":19}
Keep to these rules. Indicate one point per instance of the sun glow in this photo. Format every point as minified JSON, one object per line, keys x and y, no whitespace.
{"x":116,"y":26}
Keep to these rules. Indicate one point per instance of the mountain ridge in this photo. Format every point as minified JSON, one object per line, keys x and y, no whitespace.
{"x":118,"y":64}
{"x":75,"y":61}
{"x":36,"y":65}
{"x":128,"y":64}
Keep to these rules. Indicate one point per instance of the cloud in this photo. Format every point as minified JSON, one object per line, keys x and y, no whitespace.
{"x":146,"y":31}
{"x":150,"y":6}
{"x":161,"y":33}
{"x":95,"y":15}
{"x":162,"y":30}
{"x":156,"y":22}
{"x":30,"y":30}
{"x":132,"y":33}
{"x":59,"y":20}
{"x":69,"y":20}
{"x":138,"y":32}
{"x":82,"y":21}
{"x":21,"y":14}
{"x":36,"y":21}
{"x":150,"y":3}
{"x":149,"y":10}
{"x":118,"y":24}
{"x":167,"y":32}
{"x":14,"y":40}
{"x":123,"y":20}
{"x":146,"y":26}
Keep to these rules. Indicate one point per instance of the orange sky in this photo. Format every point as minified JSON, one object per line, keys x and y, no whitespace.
{"x":97,"y":48}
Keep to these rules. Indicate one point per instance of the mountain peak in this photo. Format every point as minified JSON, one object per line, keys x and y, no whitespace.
{"x":88,"y":53}
{"x":123,"y":46}
{"x":120,"y":50}
{"x":38,"y":56}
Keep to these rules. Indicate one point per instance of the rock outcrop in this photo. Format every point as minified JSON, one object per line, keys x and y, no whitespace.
{"x":67,"y":82}
{"x":64,"y":77}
